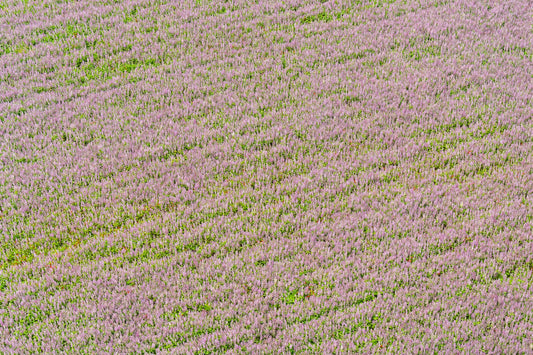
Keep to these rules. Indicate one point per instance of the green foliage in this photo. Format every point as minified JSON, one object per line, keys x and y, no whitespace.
{"x":322,"y":17}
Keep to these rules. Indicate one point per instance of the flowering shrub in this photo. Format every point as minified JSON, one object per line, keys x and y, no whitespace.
{"x":265,"y":177}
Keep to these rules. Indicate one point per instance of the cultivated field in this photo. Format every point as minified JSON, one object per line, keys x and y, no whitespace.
{"x":195,"y":177}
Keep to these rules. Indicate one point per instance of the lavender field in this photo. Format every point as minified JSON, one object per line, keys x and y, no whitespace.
{"x":266,"y":177}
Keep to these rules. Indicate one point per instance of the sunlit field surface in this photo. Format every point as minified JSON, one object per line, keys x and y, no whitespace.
{"x":266,"y":177}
